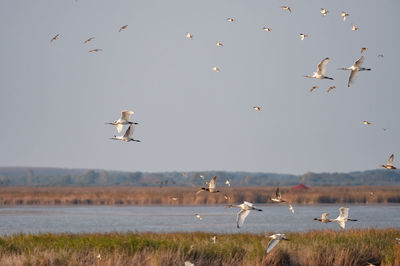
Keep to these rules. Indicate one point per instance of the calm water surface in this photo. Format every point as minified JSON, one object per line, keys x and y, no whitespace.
{"x":216,"y":219}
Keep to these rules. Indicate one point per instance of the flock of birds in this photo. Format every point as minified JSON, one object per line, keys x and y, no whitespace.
{"x":247,"y":207}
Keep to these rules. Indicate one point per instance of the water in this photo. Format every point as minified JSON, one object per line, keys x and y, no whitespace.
{"x":216,"y":219}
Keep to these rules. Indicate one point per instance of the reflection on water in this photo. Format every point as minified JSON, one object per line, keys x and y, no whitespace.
{"x":216,"y":219}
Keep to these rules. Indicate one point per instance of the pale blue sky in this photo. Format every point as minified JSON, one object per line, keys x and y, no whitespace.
{"x":55,"y":98}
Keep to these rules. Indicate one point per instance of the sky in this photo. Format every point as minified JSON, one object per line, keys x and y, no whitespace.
{"x":55,"y":97}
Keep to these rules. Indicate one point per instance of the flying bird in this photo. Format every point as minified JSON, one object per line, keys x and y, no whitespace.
{"x":353,"y":27}
{"x":278,"y":196}
{"x":54,"y":38}
{"x":389,"y":164}
{"x":123,"y":120}
{"x":274,"y":241}
{"x":291,"y":208}
{"x":245,"y":207}
{"x":303,"y":36}
{"x":331,"y":88}
{"x":211,"y":186}
{"x":321,"y":70}
{"x":344,"y":15}
{"x":286,"y":8}
{"x":355,"y":68}
{"x":88,"y":40}
{"x":198,"y":216}
{"x":363,"y":49}
{"x":95,"y":50}
{"x":257,"y":108}
{"x":216,"y":69}
{"x":366,"y":123}
{"x":122,"y":28}
{"x":189,"y":36}
{"x":226,"y":196}
{"x":313,"y":88}
{"x":267,"y":29}
{"x":324,"y":12}
{"x":323,"y":219}
{"x":188,"y":263}
{"x":230,"y":19}
{"x":219,"y":44}
{"x":343,"y":217}
{"x":128,"y":134}
{"x":227,"y":182}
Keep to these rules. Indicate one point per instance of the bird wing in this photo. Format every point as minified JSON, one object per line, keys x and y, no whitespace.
{"x":129,"y":131}
{"x":241,"y":216}
{"x":272,"y":244}
{"x":321,"y":68}
{"x":278,"y":193}
{"x":342,"y":224}
{"x":248,"y":203}
{"x":126,"y":114}
{"x":119,"y":127}
{"x":390,"y":161}
{"x":359,"y":62}
{"x":324,"y":216}
{"x":352,"y":77}
{"x":344,"y":213}
{"x":212,"y":183}
{"x":291,"y":208}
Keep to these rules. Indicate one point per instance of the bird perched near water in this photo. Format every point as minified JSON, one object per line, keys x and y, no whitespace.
{"x":226,"y":196}
{"x":219,"y":44}
{"x":303,"y":36}
{"x":54,"y":38}
{"x":355,"y":68}
{"x":278,"y":196}
{"x":331,"y":88}
{"x":321,"y":70}
{"x":344,"y":15}
{"x":123,"y":120}
{"x":216,"y":69}
{"x":366,"y":123}
{"x":189,"y":36}
{"x":353,"y":27}
{"x":95,"y":50}
{"x":230,"y":19}
{"x":257,"y":108}
{"x":88,"y":40}
{"x":389,"y":164}
{"x":324,"y":12}
{"x":265,"y":28}
{"x":313,"y":88}
{"x":128,"y":134}
{"x":245,"y":207}
{"x":211,"y":186}
{"x":274,"y":241}
{"x":122,"y":28}
{"x":363,"y":49}
{"x":286,"y":8}
{"x":380,"y":55}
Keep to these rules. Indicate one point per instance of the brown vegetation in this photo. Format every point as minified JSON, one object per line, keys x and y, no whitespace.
{"x":187,"y":195}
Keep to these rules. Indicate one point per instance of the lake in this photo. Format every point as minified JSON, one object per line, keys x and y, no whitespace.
{"x":216,"y":219}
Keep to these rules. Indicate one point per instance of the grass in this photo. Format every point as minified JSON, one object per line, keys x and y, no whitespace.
{"x":187,"y":195}
{"x":351,"y":247}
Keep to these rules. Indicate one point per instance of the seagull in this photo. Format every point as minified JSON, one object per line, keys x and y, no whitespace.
{"x":303,"y":36}
{"x":366,"y":123}
{"x":267,"y":29}
{"x":353,"y":27}
{"x":331,"y":88}
{"x":214,"y":239}
{"x":344,"y":15}
{"x":216,"y":69}
{"x":363,"y":49}
{"x":188,"y":263}
{"x":54,"y":38}
{"x":278,"y":196}
{"x":88,"y":40}
{"x":324,"y":12}
{"x":324,"y":218}
{"x":389,"y":164}
{"x":122,"y":28}
{"x":275,"y":240}
{"x":321,"y":70}
{"x":95,"y":50}
{"x":355,"y":68}
{"x":291,"y":208}
{"x":189,"y":36}
{"x":245,"y":207}
{"x":257,"y":108}
{"x":343,"y":217}
{"x":286,"y":8}
{"x":123,"y":120}
{"x":228,"y":183}
{"x":230,"y":19}
{"x":128,"y":134}
{"x":219,"y":44}
{"x":313,"y":88}
{"x":199,"y":216}
{"x":211,"y":186}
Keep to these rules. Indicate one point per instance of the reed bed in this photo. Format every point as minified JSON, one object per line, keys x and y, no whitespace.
{"x":328,"y":247}
{"x":188,"y":196}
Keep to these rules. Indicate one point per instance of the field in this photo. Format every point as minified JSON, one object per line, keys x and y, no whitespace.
{"x":187,"y":195}
{"x":352,"y":247}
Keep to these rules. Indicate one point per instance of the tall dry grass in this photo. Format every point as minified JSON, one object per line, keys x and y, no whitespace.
{"x":352,"y":247}
{"x":188,"y":196}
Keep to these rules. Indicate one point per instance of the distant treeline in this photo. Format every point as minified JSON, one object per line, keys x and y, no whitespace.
{"x":25,"y":176}
{"x":188,"y":196}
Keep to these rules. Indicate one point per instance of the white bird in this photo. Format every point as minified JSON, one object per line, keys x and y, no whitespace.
{"x":324,"y":12}
{"x":214,"y":239}
{"x":216,"y":69}
{"x":286,"y":8}
{"x":257,"y":108}
{"x":343,"y":217}
{"x":219,"y":44}
{"x":128,"y":134}
{"x":123,"y":120}
{"x":98,"y":256}
{"x":291,"y":208}
{"x":267,"y":29}
{"x":188,"y":263}
{"x":367,"y":123}
{"x":211,"y":186}
{"x":303,"y":36}
{"x":275,"y":240}
{"x":189,"y":36}
{"x":355,"y":68}
{"x":344,"y":15}
{"x":245,"y":207}
{"x":324,"y":218}
{"x":389,"y":164}
{"x":321,"y":70}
